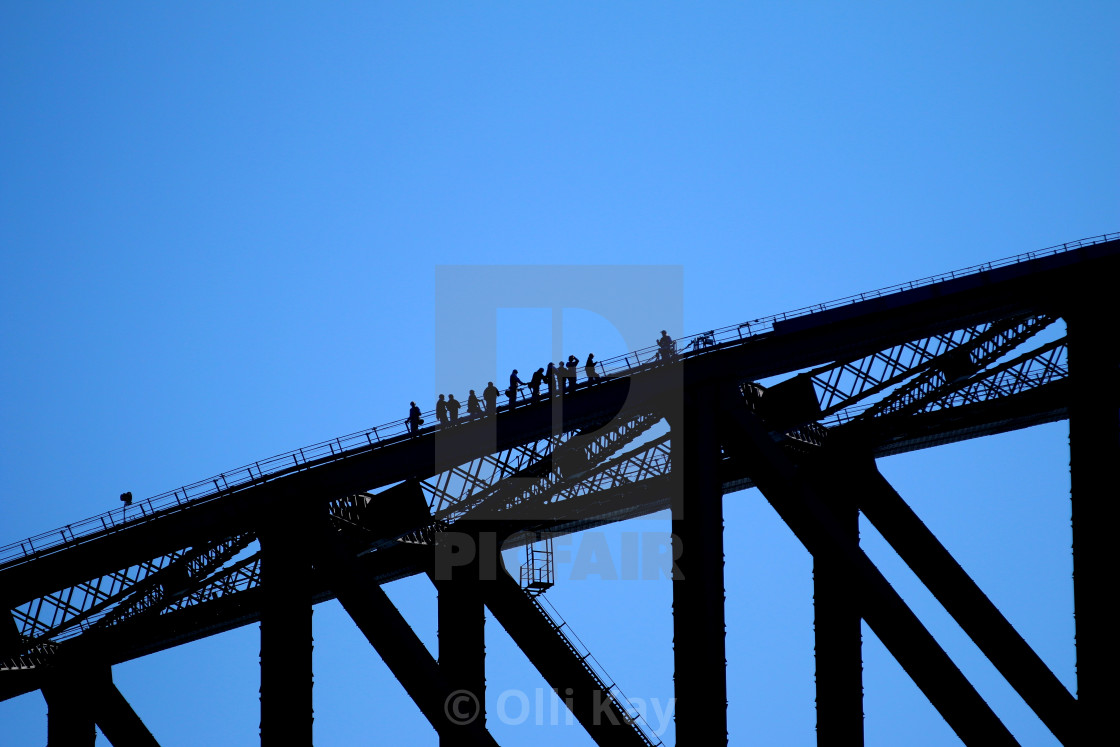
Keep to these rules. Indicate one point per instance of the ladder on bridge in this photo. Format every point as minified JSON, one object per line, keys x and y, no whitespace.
{"x":538,"y":574}
{"x":611,"y":692}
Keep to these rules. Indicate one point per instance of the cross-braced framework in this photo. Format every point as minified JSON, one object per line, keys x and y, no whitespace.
{"x":772,"y":404}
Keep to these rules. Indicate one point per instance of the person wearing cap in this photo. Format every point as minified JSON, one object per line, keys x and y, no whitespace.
{"x":573,"y":364}
{"x":665,"y":346}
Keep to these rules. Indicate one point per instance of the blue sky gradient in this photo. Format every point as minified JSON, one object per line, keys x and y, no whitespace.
{"x":220,"y":227}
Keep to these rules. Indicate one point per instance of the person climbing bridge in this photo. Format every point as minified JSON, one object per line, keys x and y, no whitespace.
{"x":535,"y":385}
{"x":550,"y":379}
{"x":514,"y":383}
{"x":570,"y":374}
{"x":589,"y":368}
{"x":490,"y":395}
{"x":441,"y":411}
{"x":665,"y":347}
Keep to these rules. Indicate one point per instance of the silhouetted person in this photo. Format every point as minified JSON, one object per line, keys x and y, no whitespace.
{"x":589,"y":368}
{"x":453,"y":408}
{"x":550,"y":379}
{"x":514,"y":382}
{"x":535,"y":385}
{"x":561,"y":377}
{"x":473,"y":408}
{"x":414,"y":420}
{"x":573,"y":364}
{"x":441,"y":411}
{"x":665,"y":346}
{"x":490,"y":395}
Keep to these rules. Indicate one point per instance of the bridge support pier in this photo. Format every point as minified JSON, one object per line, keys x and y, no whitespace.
{"x":462,"y":650}
{"x":69,"y":712}
{"x":839,"y":637}
{"x":404,"y":653}
{"x":801,"y":499}
{"x":83,"y":695}
{"x":699,"y":645}
{"x":1094,"y":440}
{"x":935,"y":567}
{"x":286,"y":633}
{"x":118,"y":722}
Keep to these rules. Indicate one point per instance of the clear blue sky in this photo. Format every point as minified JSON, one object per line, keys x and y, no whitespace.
{"x":220,"y":226}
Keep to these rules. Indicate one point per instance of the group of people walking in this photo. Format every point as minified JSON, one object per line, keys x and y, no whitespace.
{"x":559,"y":379}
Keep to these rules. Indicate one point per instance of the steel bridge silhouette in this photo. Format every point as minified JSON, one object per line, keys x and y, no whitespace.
{"x":989,"y":349}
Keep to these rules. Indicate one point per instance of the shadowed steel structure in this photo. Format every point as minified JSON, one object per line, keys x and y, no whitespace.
{"x":989,"y":349}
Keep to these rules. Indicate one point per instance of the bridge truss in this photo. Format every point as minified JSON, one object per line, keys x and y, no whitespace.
{"x":996,"y":348}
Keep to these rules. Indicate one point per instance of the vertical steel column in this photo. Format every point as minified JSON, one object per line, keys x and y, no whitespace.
{"x":69,"y":711}
{"x":699,"y":646}
{"x":802,"y":504}
{"x":935,"y":567}
{"x":403,"y":652}
{"x":11,"y":642}
{"x":286,"y":636}
{"x":462,"y":650}
{"x":839,"y":641}
{"x":1094,"y":440}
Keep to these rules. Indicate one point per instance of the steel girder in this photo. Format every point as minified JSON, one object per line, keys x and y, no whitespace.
{"x":82,"y":696}
{"x":947,"y":371}
{"x":526,"y":479}
{"x":799,"y":496}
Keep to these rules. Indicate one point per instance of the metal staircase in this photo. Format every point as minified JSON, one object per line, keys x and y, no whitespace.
{"x":592,"y":667}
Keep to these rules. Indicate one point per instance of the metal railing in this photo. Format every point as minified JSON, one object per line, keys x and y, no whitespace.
{"x":610,"y":689}
{"x":705,"y":341}
{"x":394,"y":431}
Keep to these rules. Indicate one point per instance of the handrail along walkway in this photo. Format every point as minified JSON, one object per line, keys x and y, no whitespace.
{"x":395,"y":431}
